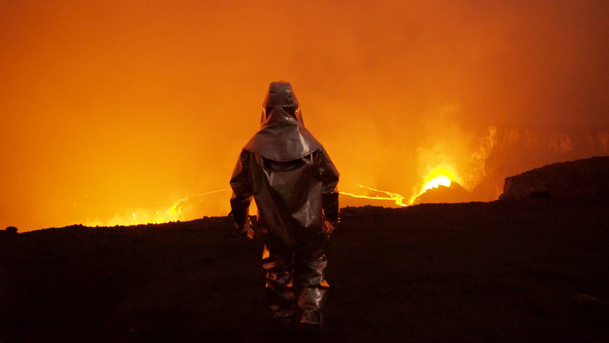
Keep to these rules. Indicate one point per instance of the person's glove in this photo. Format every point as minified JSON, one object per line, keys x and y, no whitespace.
{"x":246,"y":229}
{"x":330,"y":225}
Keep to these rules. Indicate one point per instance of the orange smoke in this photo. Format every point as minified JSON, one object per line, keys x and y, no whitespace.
{"x":113,"y":108}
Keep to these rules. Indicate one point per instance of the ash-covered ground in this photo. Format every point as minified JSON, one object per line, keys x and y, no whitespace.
{"x":506,"y":271}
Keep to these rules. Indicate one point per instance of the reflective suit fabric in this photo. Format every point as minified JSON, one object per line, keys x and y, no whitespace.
{"x":293,"y":181}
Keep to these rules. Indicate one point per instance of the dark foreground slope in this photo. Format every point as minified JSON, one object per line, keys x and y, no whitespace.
{"x":508,"y":271}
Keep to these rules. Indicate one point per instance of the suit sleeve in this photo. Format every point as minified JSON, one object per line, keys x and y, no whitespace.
{"x":241,"y":185}
{"x":329,"y":177}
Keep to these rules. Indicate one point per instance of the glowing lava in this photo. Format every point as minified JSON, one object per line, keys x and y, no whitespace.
{"x":441,"y":180}
{"x":438,"y":176}
{"x":170,"y":215}
{"x":147,"y":216}
{"x":397,"y":198}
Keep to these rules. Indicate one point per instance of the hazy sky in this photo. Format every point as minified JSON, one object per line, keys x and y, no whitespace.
{"x":112,"y":106}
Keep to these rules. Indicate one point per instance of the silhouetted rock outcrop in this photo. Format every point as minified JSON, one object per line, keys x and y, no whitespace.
{"x":588,"y":177}
{"x":514,"y":150}
{"x":10,"y":231}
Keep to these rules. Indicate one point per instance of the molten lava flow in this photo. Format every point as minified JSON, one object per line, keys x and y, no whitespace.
{"x":398,"y":198}
{"x":156,"y":216}
{"x":170,"y":215}
{"x":438,"y":176}
{"x":441,"y":180}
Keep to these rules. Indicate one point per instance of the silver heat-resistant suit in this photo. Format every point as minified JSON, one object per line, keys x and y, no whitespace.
{"x":293,"y":182}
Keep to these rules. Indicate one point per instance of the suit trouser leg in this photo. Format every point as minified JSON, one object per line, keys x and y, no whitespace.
{"x":279,"y":286}
{"x":310,"y":284}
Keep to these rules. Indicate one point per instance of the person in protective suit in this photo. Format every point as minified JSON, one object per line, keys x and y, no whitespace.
{"x":293,"y":182}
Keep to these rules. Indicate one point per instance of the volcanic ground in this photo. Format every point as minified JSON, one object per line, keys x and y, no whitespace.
{"x":506,"y":271}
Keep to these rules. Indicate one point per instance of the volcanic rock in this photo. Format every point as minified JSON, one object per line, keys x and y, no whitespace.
{"x":9,"y":232}
{"x":587,"y":177}
{"x":506,"y":271}
{"x":518,"y":149}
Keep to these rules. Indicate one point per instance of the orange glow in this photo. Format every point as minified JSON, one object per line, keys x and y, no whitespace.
{"x":157,"y":216}
{"x":438,"y":176}
{"x":438,"y":181}
{"x":115,"y":108}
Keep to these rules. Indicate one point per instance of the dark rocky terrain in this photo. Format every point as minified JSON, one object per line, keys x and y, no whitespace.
{"x":580,"y":178}
{"x":532,"y":270}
